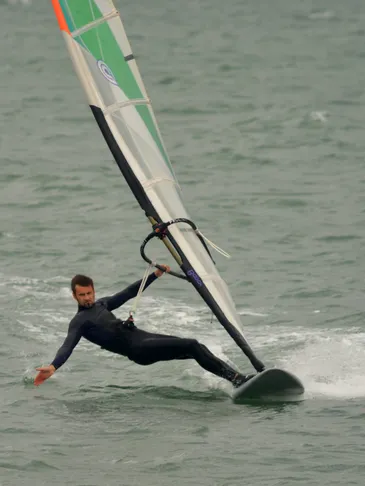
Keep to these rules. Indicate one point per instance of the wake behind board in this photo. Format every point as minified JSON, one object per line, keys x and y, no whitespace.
{"x":271,"y":383}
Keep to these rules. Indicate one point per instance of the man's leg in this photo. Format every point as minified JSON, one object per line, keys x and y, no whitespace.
{"x":147,"y":348}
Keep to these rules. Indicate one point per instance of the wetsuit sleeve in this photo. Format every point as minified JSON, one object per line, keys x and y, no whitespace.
{"x":73,"y":337}
{"x":122,"y":297}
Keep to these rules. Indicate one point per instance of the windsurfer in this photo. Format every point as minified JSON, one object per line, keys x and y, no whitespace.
{"x":95,"y":322}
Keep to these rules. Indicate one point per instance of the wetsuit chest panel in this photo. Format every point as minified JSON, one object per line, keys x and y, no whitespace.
{"x":98,"y":324}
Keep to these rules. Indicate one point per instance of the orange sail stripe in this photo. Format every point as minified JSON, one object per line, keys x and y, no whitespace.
{"x":60,"y":17}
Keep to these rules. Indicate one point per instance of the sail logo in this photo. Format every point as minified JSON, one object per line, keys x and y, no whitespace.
{"x":195,"y":277}
{"x":107,"y":72}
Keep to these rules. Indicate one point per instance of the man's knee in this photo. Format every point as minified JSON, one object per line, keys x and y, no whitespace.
{"x":193,"y":345}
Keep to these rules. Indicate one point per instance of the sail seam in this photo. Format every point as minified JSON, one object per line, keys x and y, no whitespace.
{"x":95,"y":23}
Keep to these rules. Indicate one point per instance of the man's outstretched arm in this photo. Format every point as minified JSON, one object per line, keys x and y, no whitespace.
{"x":73,"y":337}
{"x":122,"y":297}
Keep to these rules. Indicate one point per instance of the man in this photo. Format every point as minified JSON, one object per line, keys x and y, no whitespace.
{"x":95,"y":322}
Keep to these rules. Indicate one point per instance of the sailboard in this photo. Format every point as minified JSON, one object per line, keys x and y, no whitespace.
{"x":108,"y":72}
{"x":271,"y":383}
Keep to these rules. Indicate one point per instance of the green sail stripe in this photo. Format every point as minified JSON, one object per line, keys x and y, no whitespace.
{"x":101,"y":44}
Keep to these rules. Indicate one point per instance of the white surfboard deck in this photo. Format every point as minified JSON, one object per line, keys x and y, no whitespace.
{"x":272,"y":382}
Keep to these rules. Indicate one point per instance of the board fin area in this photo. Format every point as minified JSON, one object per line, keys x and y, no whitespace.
{"x":271,"y":383}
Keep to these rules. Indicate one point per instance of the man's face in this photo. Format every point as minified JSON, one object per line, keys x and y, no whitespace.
{"x":85,"y":296}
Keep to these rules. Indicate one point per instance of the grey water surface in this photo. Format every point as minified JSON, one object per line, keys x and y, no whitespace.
{"x":261,"y":106}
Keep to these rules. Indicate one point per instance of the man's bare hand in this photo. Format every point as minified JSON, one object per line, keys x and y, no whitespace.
{"x":44,"y":372}
{"x":159,"y":272}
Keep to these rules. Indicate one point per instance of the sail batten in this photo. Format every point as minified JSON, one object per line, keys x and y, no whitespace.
{"x":153,"y":182}
{"x":101,"y":54}
{"x":95,"y":23}
{"x":122,"y":104}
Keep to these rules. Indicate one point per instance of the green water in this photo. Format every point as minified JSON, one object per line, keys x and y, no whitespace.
{"x":261,"y":106}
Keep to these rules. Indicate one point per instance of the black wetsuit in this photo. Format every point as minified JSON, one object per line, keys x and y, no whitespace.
{"x":100,"y":326}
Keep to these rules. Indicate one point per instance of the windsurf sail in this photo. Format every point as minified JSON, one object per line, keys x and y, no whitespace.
{"x":104,"y":62}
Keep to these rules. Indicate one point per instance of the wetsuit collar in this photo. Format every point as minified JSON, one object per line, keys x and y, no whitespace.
{"x":82,"y":308}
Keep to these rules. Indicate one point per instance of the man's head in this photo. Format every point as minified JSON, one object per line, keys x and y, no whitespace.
{"x":83,"y":290}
